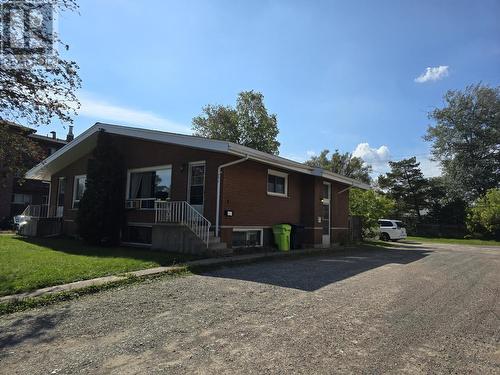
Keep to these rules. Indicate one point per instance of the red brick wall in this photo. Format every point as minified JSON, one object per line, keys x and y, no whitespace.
{"x":243,"y":188}
{"x":141,"y":153}
{"x":244,"y":192}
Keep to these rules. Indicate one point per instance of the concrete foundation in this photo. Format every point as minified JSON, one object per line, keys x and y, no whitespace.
{"x":176,"y":238}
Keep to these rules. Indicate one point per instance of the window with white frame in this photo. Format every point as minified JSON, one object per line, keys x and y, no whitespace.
{"x":145,"y":185}
{"x":78,"y":189}
{"x":277,"y":183}
{"x":247,"y":237}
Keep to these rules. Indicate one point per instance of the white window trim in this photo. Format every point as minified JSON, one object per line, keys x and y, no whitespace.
{"x":74,"y":190}
{"x":272,"y":172}
{"x":261,"y":230}
{"x":145,"y":169}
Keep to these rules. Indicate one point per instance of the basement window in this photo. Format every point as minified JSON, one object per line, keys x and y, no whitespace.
{"x":277,"y":183}
{"x":247,"y":237}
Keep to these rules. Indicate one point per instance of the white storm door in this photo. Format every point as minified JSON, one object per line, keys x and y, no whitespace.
{"x":196,"y":185}
{"x":325,"y":219}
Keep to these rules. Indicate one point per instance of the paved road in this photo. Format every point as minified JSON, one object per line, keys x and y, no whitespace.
{"x":419,"y":310}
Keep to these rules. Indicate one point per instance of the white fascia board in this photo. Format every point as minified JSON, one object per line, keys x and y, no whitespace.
{"x":295,"y":166}
{"x":345,"y":180}
{"x":42,"y":170}
{"x":164,"y":137}
{"x":39,"y":171}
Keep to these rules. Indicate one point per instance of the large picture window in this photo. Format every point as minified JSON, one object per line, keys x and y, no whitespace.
{"x":149,"y":184}
{"x":277,"y":183}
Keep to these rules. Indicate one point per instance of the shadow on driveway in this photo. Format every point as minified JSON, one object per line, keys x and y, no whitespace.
{"x":314,"y":272}
{"x":36,"y":327}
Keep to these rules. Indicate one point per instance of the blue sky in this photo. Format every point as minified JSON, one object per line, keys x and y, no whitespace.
{"x":338,"y":74}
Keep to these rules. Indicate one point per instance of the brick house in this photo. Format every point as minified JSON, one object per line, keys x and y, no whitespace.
{"x":15,"y":193}
{"x":224,"y":192}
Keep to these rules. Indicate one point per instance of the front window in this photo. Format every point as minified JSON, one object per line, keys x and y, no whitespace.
{"x":277,"y":183}
{"x":146,"y":186}
{"x":78,"y":190}
{"x":21,"y":198}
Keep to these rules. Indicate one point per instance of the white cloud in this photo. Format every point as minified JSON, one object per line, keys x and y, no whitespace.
{"x":374,"y":156}
{"x":429,"y":167}
{"x":433,"y":74}
{"x":104,"y":111}
{"x":310,"y":153}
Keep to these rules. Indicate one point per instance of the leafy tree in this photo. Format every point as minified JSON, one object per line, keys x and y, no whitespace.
{"x":101,"y":211}
{"x":219,"y":122}
{"x":249,"y":124}
{"x":371,"y":206}
{"x":36,"y":95}
{"x":484,"y":215}
{"x":344,"y":164}
{"x":17,"y":152}
{"x":406,"y":184}
{"x":466,"y":140}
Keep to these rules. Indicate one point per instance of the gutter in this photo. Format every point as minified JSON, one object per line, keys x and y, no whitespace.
{"x":219,"y":172}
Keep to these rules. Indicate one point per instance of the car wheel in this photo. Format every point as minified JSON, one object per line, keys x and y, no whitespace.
{"x":385,"y":237}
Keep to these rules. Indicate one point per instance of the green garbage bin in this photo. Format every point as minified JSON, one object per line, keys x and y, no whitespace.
{"x":282,"y":236}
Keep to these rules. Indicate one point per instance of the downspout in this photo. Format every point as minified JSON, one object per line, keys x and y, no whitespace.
{"x":219,"y":172}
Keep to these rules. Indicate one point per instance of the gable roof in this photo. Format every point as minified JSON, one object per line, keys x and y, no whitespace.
{"x":86,"y":141}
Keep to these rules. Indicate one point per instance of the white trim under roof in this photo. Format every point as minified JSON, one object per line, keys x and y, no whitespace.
{"x":85,"y":142}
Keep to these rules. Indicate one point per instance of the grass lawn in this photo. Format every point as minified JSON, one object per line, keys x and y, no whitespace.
{"x":457,"y":241}
{"x":29,"y":264}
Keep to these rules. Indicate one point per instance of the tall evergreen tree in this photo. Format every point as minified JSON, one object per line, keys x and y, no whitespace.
{"x":405,"y":183}
{"x":101,"y":211}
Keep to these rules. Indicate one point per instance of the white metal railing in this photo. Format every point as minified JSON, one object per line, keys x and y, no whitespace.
{"x":36,"y":210}
{"x":183,"y":213}
{"x":55,"y":211}
{"x":43,"y":210}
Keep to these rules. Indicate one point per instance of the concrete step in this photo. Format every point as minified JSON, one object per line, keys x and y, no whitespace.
{"x":220,"y":252}
{"x":214,"y":240}
{"x":217,"y":246}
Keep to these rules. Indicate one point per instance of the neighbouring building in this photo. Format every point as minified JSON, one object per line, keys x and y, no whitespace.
{"x":182,"y":189}
{"x":16,"y":194}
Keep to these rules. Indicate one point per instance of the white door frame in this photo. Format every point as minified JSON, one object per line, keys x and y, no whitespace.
{"x":327,"y":202}
{"x":199,"y":208}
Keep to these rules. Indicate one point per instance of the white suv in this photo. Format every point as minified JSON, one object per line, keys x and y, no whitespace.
{"x":392,"y":230}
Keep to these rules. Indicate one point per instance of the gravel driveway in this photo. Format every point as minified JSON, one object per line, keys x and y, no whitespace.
{"x":425,"y":309}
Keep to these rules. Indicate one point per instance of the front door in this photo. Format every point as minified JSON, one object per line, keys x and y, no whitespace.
{"x":325,"y":220}
{"x":196,"y":185}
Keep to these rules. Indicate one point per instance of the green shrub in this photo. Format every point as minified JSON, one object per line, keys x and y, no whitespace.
{"x":371,"y":206}
{"x":484,"y":215}
{"x":101,"y":211}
